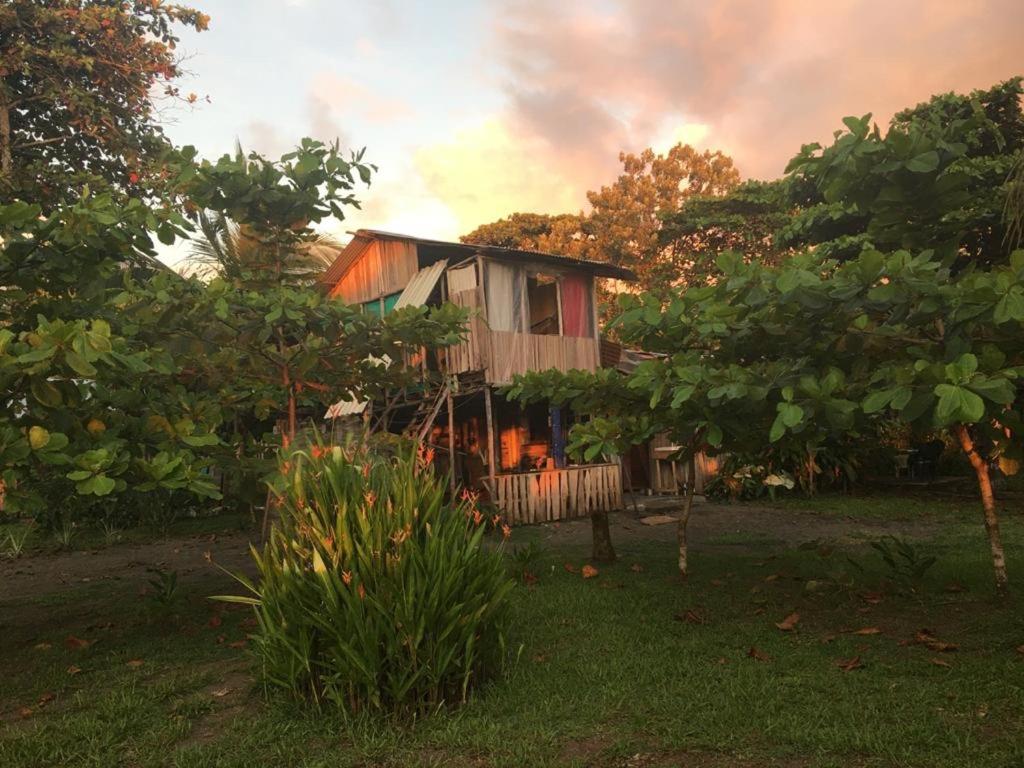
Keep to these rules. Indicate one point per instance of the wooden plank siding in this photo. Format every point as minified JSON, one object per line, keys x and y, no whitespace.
{"x":515,"y":353}
{"x":471,"y":354}
{"x":559,"y":494}
{"x":384,"y":267}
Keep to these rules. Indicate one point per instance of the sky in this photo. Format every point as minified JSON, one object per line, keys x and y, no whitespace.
{"x":473,"y":110}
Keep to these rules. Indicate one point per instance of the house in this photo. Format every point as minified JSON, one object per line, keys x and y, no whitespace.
{"x":530,"y":311}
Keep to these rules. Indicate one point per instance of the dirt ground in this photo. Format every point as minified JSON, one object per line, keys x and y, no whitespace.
{"x":196,"y":558}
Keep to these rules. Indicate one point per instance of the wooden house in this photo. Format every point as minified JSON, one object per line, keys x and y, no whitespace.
{"x":530,"y":311}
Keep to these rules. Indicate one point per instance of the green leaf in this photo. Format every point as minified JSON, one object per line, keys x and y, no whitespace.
{"x":46,"y":392}
{"x":923,"y":163}
{"x":958,"y":404}
{"x":778,"y":429}
{"x":78,"y":364}
{"x":791,"y":414}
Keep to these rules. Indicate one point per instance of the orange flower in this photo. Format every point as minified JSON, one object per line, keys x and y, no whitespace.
{"x":495,"y":520}
{"x":362,"y":592}
{"x":346,"y":576}
{"x":318,"y":452}
{"x":369,"y":497}
{"x":506,"y":531}
{"x":477,"y":517}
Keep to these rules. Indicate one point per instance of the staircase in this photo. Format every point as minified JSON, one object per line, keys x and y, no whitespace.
{"x":426,"y":413}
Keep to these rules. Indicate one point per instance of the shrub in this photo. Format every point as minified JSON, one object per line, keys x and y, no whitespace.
{"x":373,"y":593}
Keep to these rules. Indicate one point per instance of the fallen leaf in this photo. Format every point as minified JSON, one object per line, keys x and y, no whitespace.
{"x":540,"y":658}
{"x":75,"y":643}
{"x":828,"y":638}
{"x":789,"y":623}
{"x":47,"y":697}
{"x":722,"y":660}
{"x":570,"y":568}
{"x":215,"y":621}
{"x":848,"y":665}
{"x":955,"y":586}
{"x":757,"y":654}
{"x":1020,"y":649}
{"x":717,"y":583}
{"x":134,"y":663}
{"x":928,"y":640}
{"x":25,"y":712}
{"x":221,"y":639}
{"x":636,"y":568}
{"x":939,"y":662}
{"x":772,"y":577}
{"x":238,"y":644}
{"x":874,"y":598}
{"x":73,"y":670}
{"x":529,"y":579}
{"x":42,"y":646}
{"x":867,"y":631}
{"x":589,"y":571}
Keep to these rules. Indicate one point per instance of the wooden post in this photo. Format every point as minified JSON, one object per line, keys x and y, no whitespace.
{"x":451,"y":442}
{"x":492,"y":454}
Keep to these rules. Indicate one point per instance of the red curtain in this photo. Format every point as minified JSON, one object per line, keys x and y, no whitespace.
{"x":576,"y":312}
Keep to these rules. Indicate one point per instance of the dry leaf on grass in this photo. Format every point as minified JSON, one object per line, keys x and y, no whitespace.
{"x":25,"y":712}
{"x":939,"y":662}
{"x":570,"y":568}
{"x":636,"y":568}
{"x":73,"y":670}
{"x":867,"y":631}
{"x":789,"y":623}
{"x":215,"y":621}
{"x":73,"y":643}
{"x":47,"y":697}
{"x":238,"y":644}
{"x":717,"y":583}
{"x":757,"y":654}
{"x":1020,"y":649}
{"x":134,"y":663}
{"x":931,"y":642}
{"x":589,"y":571}
{"x":772,"y":577}
{"x":872,"y":598}
{"x":848,"y":665}
{"x":42,"y":646}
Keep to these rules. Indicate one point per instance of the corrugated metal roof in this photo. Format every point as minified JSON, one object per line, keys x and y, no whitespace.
{"x":416,"y":293}
{"x":345,"y":259}
{"x":599,"y":268}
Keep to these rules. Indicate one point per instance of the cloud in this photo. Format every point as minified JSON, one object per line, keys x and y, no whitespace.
{"x":487,"y":170}
{"x":763,"y":77}
{"x":340,"y":95}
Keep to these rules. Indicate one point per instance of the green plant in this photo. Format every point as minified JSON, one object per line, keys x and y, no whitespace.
{"x":164,"y":587}
{"x":372,"y":593}
{"x":906,"y":565}
{"x":15,"y":541}
{"x":65,"y":533}
{"x":523,"y":560}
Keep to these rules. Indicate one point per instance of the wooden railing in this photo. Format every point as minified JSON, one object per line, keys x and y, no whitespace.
{"x":559,"y":494}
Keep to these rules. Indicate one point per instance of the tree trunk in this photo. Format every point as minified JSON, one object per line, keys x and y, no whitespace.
{"x":6,"y":157}
{"x":684,"y":519}
{"x":604,"y":552}
{"x":988,"y":504}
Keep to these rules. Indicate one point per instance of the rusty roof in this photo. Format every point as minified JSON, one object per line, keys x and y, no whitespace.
{"x":363,"y":237}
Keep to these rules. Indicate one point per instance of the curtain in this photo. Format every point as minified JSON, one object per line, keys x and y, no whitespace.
{"x":576,"y":311}
{"x":504,"y":297}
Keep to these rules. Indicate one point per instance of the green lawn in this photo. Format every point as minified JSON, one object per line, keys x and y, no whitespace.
{"x":629,"y":668}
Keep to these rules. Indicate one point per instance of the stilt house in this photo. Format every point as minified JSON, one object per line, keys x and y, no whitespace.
{"x":530,"y":311}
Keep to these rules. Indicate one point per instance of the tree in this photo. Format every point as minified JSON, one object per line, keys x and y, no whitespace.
{"x":935,"y":180}
{"x":77,"y":79}
{"x":626,"y":218}
{"x":563,"y":234}
{"x":815,"y":351}
{"x":744,"y":220}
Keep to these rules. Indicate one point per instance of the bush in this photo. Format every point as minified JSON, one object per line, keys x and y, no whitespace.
{"x":373,"y":593}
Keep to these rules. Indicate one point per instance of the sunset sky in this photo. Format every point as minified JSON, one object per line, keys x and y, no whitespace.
{"x":473,"y":110}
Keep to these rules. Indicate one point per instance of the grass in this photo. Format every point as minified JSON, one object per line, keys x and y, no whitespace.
{"x":610,"y":670}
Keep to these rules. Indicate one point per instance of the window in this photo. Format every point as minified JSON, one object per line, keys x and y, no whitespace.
{"x":542,"y":299}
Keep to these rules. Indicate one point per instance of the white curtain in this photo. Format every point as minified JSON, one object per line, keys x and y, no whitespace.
{"x":504,"y":297}
{"x":461,"y":279}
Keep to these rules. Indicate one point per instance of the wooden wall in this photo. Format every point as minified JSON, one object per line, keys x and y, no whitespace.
{"x":471,"y":354}
{"x":559,"y":494}
{"x":514,"y":353}
{"x":383,"y":268}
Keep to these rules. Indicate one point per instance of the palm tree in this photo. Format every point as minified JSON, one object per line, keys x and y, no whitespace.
{"x":235,"y":252}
